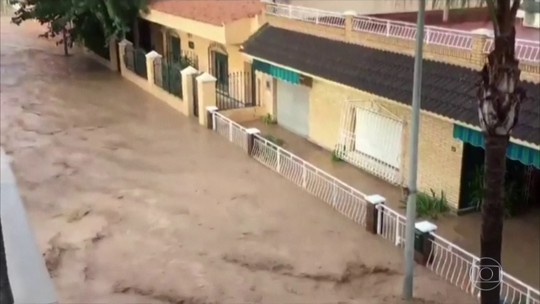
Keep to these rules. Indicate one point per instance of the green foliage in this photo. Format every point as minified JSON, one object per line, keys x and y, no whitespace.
{"x":431,"y":205}
{"x":81,"y":19}
{"x":278,"y":141}
{"x":268,"y":119}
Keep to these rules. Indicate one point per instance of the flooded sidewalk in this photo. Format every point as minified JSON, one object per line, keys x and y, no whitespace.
{"x":133,"y":203}
{"x":521,"y":240}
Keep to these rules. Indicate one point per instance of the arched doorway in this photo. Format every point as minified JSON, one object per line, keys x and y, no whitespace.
{"x":219,"y":64}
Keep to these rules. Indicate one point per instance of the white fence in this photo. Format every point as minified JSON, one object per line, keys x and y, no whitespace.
{"x":526,"y":50}
{"x":342,"y":197}
{"x":446,"y":259}
{"x":227,"y":128}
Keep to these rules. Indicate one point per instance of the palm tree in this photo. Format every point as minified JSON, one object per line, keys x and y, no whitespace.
{"x":499,"y":97}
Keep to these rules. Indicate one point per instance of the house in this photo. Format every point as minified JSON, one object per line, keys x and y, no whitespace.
{"x":208,"y":33}
{"x":345,"y":84}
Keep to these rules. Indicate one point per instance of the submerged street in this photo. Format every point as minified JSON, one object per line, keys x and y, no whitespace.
{"x":133,"y":203}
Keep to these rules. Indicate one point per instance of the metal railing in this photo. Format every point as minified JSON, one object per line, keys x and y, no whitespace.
{"x":235,"y":91}
{"x":461,"y":268}
{"x":433,"y":35}
{"x":227,"y":128}
{"x":391,"y":225}
{"x":447,"y":260}
{"x":526,"y":50}
{"x":135,"y":60}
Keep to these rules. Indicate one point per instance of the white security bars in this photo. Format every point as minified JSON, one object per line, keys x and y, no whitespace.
{"x":526,"y":50}
{"x":447,"y":260}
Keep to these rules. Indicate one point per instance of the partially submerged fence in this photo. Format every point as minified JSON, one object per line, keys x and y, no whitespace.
{"x":447,"y":260}
{"x":235,"y":90}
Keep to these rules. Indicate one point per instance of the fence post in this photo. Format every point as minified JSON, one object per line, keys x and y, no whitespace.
{"x":150,"y":58}
{"x":423,"y":241}
{"x":349,"y":16}
{"x":251,"y":132}
{"x":473,"y":272}
{"x":206,"y":92}
{"x":373,"y":216}
{"x":388,"y":25}
{"x":122,"y":45}
{"x":210,"y":111}
{"x":187,"y":89}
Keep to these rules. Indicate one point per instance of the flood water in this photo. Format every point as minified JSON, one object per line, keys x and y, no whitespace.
{"x":133,"y":203}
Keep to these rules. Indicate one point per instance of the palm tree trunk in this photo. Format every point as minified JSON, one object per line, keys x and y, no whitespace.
{"x":499,"y":99}
{"x":492,"y":218}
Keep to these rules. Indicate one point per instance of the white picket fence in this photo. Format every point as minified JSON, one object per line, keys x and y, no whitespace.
{"x":447,"y":260}
{"x":526,"y":50}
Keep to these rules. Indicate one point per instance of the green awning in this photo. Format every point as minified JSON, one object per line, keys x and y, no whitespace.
{"x":525,"y":155}
{"x":276,"y":72}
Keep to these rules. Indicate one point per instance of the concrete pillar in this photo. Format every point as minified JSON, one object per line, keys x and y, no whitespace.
{"x":349,"y":16}
{"x":210,"y":116}
{"x":423,"y":242}
{"x":150,"y":58}
{"x":206,"y":94}
{"x":373,"y":218}
{"x":251,"y":132}
{"x":187,"y":89}
{"x":122,"y":45}
{"x":113,"y":54}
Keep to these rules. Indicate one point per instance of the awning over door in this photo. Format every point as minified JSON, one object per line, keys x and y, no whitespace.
{"x":276,"y":72}
{"x":525,"y":155}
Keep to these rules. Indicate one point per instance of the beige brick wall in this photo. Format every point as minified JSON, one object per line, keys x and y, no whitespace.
{"x":440,"y":154}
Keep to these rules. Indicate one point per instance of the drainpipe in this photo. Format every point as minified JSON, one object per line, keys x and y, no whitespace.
{"x":413,"y":155}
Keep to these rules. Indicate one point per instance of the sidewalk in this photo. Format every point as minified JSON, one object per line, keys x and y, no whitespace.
{"x":521,"y":245}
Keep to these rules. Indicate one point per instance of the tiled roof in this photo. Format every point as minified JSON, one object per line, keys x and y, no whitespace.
{"x":447,"y":90}
{"x":216,"y":12}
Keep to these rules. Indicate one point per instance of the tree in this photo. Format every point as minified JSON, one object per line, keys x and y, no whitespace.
{"x":499,"y":97}
{"x":76,"y":20}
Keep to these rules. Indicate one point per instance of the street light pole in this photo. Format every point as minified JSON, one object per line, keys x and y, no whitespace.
{"x":413,"y":154}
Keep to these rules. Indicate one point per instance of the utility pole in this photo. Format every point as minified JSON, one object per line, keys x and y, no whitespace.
{"x":413,"y":154}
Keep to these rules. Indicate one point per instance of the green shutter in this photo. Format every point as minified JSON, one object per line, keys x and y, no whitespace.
{"x":525,"y":155}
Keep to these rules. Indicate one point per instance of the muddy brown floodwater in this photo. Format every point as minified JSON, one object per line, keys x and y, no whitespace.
{"x":134,"y":203}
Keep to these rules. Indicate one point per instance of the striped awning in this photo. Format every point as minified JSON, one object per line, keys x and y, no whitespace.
{"x":526,"y":155}
{"x":276,"y":72}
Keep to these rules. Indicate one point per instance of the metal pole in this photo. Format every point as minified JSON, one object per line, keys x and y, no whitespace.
{"x":413,"y":154}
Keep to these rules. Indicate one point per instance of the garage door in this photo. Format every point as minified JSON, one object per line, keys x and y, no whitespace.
{"x":293,"y":107}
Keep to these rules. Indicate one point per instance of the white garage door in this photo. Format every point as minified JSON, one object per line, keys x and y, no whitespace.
{"x":293,"y":107}
{"x":378,"y":137}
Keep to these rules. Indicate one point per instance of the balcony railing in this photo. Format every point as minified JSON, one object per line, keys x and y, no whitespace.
{"x":526,"y":50}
